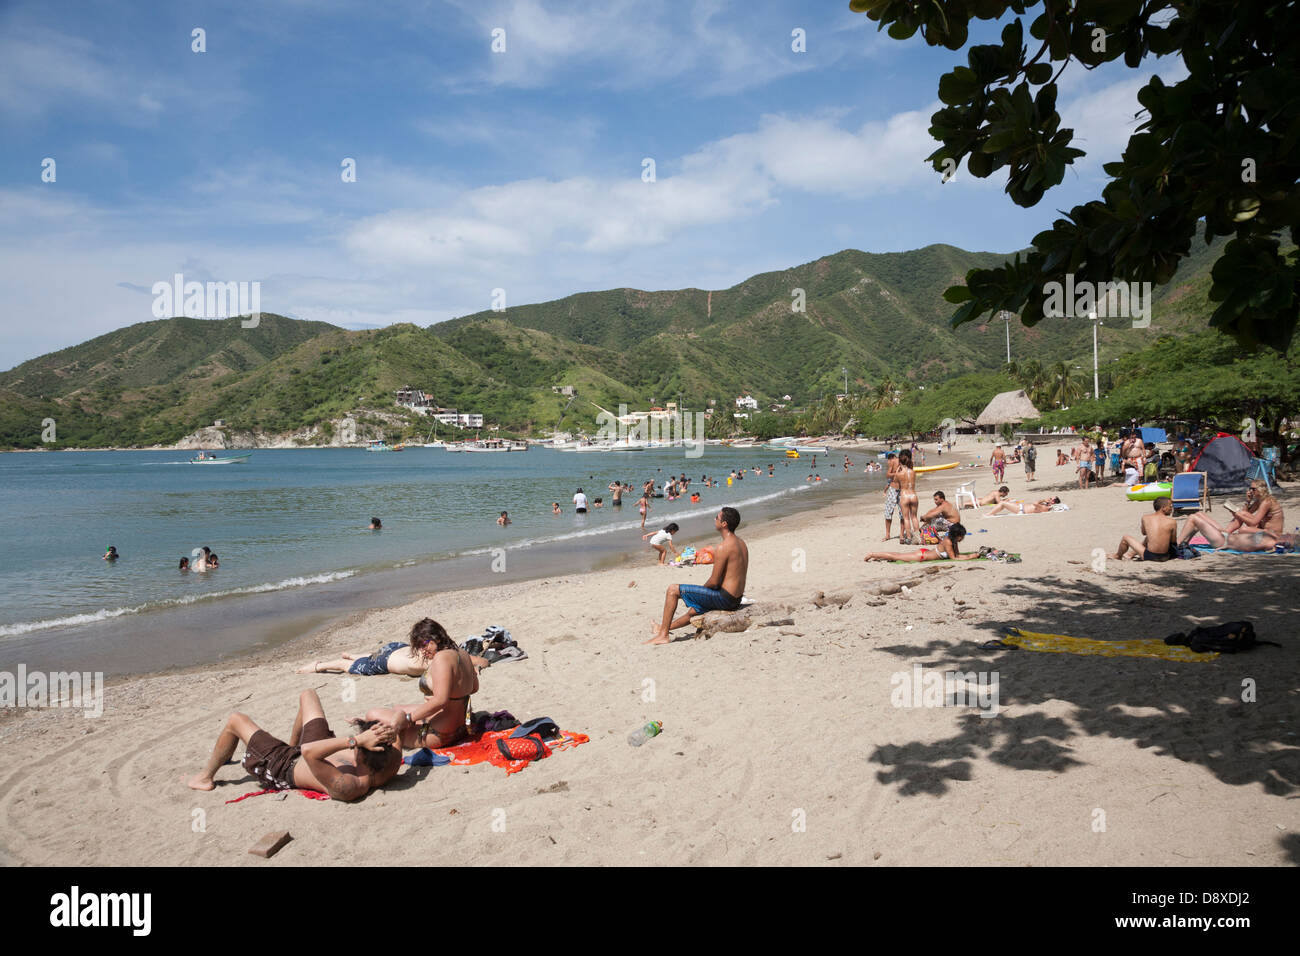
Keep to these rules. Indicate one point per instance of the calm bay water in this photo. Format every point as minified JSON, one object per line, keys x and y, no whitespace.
{"x":290,"y":528}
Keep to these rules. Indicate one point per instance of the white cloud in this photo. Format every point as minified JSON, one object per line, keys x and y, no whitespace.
{"x":632,"y":44}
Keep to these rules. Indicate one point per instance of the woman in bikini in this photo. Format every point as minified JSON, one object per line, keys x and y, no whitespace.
{"x":1021,"y":508}
{"x":448,"y":680}
{"x":907,"y":500}
{"x":947,"y":550}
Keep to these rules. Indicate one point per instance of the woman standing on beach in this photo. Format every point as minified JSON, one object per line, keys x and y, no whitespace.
{"x":907,"y":498}
{"x":643,"y":506}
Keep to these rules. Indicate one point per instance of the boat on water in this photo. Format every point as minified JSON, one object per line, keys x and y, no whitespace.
{"x":495,"y":445}
{"x":378,"y":444}
{"x":205,"y":459}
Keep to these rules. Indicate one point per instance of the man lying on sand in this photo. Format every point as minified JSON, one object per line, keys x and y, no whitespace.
{"x":995,"y":497}
{"x":946,"y":551}
{"x":1021,"y":508}
{"x":1158,"y":532}
{"x":347,"y":768}
{"x":723,"y":590}
{"x":1237,"y":540}
{"x":405,"y":660}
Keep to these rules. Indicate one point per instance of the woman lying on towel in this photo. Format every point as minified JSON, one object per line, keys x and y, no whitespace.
{"x":946,"y":551}
{"x":1023,"y":508}
{"x":449,"y":679}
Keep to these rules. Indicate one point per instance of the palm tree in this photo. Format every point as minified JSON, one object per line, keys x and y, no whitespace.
{"x":1033,"y":381}
{"x":1062,"y":387}
{"x":882,"y":396}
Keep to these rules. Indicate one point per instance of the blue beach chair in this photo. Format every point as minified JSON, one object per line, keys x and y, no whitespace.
{"x":1262,"y":468}
{"x":1189,"y":490}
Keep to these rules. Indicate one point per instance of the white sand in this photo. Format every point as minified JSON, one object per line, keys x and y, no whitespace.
{"x":778,"y":747}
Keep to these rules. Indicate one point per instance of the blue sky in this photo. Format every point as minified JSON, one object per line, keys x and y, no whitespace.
{"x":475,"y":170}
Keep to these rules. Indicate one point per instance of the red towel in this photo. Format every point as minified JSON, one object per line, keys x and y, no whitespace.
{"x":309,"y":794}
{"x":484,"y":749}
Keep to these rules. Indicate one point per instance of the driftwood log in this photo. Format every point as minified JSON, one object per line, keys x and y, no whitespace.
{"x":758,"y":614}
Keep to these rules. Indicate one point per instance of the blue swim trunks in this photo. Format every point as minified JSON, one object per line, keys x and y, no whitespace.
{"x":375,"y":664}
{"x":699,"y":598}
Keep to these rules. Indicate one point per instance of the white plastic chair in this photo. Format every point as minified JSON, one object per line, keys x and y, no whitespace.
{"x":965,"y":491}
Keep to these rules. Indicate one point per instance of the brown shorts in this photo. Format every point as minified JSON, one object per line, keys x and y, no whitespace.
{"x":271,"y":760}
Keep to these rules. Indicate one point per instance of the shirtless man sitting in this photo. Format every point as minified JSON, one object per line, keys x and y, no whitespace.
{"x":1023,"y":508}
{"x":723,"y":590}
{"x":943,"y":515}
{"x":347,"y":768}
{"x":1158,"y":532}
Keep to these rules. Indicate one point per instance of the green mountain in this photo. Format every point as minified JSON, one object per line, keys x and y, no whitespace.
{"x":878,"y":315}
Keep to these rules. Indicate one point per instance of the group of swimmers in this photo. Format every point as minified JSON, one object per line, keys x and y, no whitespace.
{"x":204,"y":560}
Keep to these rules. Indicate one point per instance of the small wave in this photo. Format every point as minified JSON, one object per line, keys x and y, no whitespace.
{"x":105,"y":614}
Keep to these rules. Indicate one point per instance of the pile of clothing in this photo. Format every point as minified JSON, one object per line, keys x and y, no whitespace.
{"x":997,"y":554}
{"x":494,"y":645}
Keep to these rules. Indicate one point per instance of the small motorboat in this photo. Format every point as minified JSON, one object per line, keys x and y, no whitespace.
{"x":205,"y":459}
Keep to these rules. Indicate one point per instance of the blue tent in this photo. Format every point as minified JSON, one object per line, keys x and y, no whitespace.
{"x":1151,"y":436}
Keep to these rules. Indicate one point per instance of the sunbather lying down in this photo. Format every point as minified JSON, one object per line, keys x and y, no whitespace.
{"x":1023,"y":508}
{"x":1250,"y":541}
{"x":947,"y":550}
{"x":347,"y":768}
{"x":405,"y":660}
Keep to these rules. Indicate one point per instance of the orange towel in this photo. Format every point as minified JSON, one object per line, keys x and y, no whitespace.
{"x":484,"y":748}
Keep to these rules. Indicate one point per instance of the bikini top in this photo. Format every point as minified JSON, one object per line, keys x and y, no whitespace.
{"x":428,"y":692}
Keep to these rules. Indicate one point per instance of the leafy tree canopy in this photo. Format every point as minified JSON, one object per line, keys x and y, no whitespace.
{"x":1220,"y":147}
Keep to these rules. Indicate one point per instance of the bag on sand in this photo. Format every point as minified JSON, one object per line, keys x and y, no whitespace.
{"x":1225,"y":638}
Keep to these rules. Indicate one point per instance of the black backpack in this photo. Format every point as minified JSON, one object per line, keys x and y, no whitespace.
{"x":1225,"y":638}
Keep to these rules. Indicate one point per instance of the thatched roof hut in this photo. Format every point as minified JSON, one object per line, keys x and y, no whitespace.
{"x":1008,"y":407}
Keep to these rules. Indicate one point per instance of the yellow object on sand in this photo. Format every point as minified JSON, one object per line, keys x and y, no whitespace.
{"x":921,"y":470}
{"x":1143,"y":647}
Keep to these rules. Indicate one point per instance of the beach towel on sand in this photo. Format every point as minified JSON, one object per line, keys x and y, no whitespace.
{"x":484,"y":748}
{"x":1208,"y":548}
{"x":1061,"y":644}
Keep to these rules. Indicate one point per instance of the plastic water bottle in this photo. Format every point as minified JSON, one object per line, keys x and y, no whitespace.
{"x":642,"y":734}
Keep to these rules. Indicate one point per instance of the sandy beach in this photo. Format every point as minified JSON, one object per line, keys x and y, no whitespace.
{"x":781,"y":745}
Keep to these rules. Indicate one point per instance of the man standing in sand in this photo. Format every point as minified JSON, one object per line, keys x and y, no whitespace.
{"x":1158,"y":531}
{"x":1083,"y":459}
{"x":723,"y":590}
{"x":999,"y":462}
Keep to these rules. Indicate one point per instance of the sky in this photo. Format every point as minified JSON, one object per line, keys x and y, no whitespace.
{"x":522,"y":168}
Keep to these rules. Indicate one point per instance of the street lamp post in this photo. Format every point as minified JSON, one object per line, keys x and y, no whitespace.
{"x":846,"y":381}
{"x":1006,"y":317}
{"x":1096,"y":386}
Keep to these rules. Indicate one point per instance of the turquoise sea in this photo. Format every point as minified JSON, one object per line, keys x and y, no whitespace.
{"x":290,"y":529}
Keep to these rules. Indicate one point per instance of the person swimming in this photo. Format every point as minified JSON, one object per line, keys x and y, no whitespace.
{"x":111,"y":554}
{"x":184,"y":565}
{"x":375,"y":525}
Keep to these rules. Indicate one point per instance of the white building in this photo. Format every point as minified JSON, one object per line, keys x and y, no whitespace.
{"x":745,"y":401}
